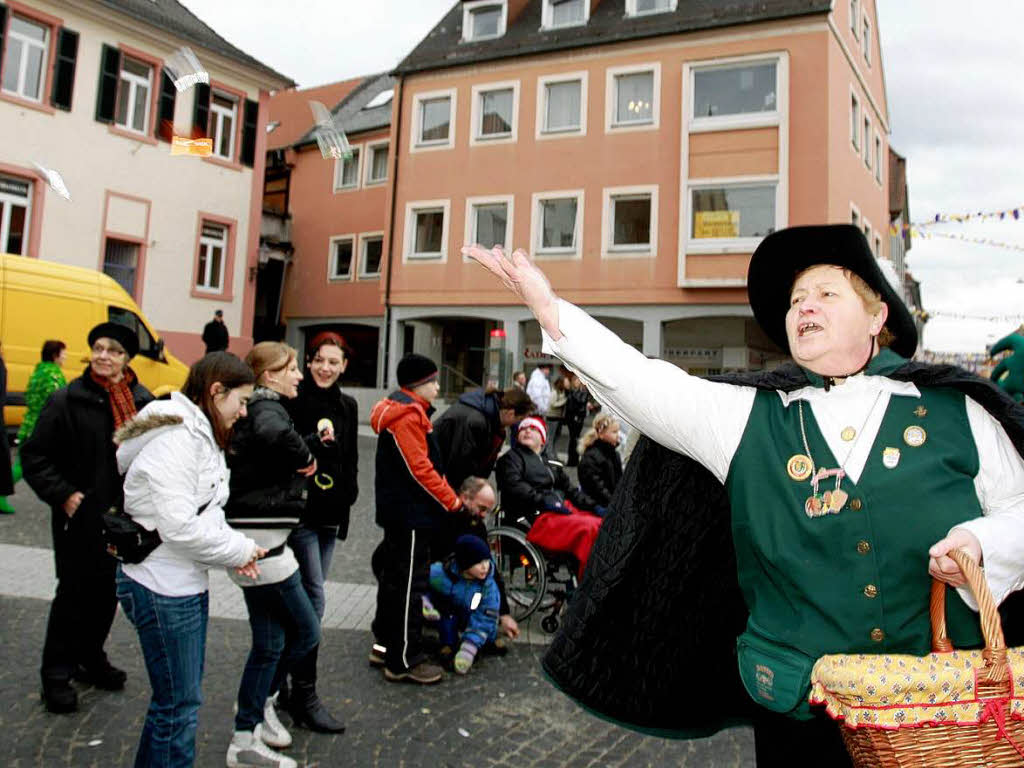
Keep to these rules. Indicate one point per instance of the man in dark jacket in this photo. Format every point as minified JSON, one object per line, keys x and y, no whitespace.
{"x":470,"y":433}
{"x":215,"y":334}
{"x":70,"y":462}
{"x":412,"y":501}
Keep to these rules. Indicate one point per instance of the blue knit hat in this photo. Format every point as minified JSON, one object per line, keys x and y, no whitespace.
{"x":470,"y":550}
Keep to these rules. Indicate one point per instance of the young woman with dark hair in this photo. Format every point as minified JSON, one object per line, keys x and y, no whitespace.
{"x":177,"y":484}
{"x":322,"y":409}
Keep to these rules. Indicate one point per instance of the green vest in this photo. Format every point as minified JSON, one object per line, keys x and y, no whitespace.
{"x":856,"y":581}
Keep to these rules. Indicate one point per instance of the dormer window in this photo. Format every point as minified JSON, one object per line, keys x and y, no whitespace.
{"x":565,"y":13}
{"x":646,"y":7}
{"x":483,"y":19}
{"x":382,"y":98}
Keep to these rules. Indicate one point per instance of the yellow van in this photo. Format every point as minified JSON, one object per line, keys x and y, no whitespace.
{"x":41,"y":300}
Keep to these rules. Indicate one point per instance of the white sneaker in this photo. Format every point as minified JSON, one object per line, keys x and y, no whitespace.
{"x":272,"y":732}
{"x":247,"y":750}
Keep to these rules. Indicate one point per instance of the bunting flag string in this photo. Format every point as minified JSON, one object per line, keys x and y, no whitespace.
{"x":927,"y":235}
{"x":961,"y":218}
{"x":926,"y":314}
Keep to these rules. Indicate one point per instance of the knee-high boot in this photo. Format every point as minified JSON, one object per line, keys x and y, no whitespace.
{"x":304,"y":706}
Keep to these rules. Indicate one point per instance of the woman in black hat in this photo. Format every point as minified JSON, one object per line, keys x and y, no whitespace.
{"x":847,"y":478}
{"x":70,"y":462}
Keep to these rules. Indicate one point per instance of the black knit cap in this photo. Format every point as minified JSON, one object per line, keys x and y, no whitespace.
{"x":122,"y":334}
{"x":470,"y":550}
{"x":784,"y":254}
{"x":414,"y":370}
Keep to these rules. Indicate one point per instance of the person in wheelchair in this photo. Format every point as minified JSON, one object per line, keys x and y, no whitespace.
{"x":537,"y":493}
{"x":466,"y":598}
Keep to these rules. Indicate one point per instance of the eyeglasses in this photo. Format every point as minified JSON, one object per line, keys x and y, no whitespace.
{"x":99,"y":350}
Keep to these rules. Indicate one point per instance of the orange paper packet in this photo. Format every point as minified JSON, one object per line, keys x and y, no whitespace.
{"x":182,"y":146}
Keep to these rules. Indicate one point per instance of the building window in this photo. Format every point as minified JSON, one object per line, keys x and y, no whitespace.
{"x":213,"y":246}
{"x":346,"y":171}
{"x":562,"y":105}
{"x":489,"y":221}
{"x":732,"y":212}
{"x":426,"y":234}
{"x":866,"y":41}
{"x":495,"y":111}
{"x":557,"y":224}
{"x":630,"y":216}
{"x":735,"y":89}
{"x":223,"y":119}
{"x":372,"y":250}
{"x":878,"y":247}
{"x":434,"y":118}
{"x":24,"y":67}
{"x":855,"y":122}
{"x":878,"y":158}
{"x":342,"y":250}
{"x":133,"y":95}
{"x":483,"y":20}
{"x":565,"y":13}
{"x":634,"y":98}
{"x":121,"y":262}
{"x":854,"y":217}
{"x":867,"y":142}
{"x":15,"y":204}
{"x":854,"y":15}
{"x":377,"y":165}
{"x":644,"y":7}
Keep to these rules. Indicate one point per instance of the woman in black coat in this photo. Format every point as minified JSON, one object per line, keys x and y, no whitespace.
{"x":321,"y":408}
{"x":70,"y":462}
{"x":600,"y":468}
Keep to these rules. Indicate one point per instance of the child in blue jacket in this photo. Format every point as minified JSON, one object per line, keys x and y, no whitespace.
{"x":467,"y":598}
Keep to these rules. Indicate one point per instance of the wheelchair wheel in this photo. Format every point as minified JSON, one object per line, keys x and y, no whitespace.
{"x":521,"y":567}
{"x":549,"y":624}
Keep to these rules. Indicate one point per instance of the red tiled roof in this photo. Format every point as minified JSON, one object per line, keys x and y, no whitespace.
{"x":291,"y":109}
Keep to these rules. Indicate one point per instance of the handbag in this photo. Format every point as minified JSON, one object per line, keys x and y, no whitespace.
{"x":128,"y":541}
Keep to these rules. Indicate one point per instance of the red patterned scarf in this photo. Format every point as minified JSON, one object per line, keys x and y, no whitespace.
{"x":122,"y":404}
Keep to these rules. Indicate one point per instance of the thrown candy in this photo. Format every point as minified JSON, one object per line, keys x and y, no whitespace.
{"x":95,"y":742}
{"x":333,"y":144}
{"x":184,"y":69}
{"x":464,"y":733}
{"x":321,"y":115}
{"x":54,"y":180}
{"x":182,"y":146}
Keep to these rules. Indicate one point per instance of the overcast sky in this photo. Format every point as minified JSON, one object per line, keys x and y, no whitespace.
{"x":956,"y":100}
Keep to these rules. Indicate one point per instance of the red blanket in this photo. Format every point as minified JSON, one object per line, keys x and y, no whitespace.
{"x":573,"y":533}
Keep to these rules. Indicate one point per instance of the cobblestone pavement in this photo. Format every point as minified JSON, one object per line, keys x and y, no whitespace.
{"x":504,"y":713}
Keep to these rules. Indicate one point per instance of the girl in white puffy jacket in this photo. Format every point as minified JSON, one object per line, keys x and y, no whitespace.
{"x":176,"y":483}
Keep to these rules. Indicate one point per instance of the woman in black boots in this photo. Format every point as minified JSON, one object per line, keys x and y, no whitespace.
{"x":321,"y":408}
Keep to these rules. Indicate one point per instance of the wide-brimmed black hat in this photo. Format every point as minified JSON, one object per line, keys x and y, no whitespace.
{"x":122,"y":334}
{"x":784,"y":254}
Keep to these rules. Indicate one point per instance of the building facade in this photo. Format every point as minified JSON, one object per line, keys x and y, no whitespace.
{"x":639,"y":150}
{"x":84,"y":90}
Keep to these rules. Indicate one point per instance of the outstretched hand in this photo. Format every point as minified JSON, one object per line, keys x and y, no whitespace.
{"x":523,"y":278}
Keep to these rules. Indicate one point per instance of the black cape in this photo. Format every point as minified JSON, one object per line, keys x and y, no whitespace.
{"x":649,"y":637}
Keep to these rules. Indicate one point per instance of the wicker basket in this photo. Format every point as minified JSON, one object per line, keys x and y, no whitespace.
{"x":997,"y":741}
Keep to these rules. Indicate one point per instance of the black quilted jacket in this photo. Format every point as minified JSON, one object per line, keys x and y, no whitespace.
{"x":649,"y":637}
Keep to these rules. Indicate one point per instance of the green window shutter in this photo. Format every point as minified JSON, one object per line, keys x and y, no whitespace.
{"x":249,"y":124}
{"x":165,"y":108}
{"x":201,"y":113}
{"x":64,"y":69}
{"x":106,"y":95}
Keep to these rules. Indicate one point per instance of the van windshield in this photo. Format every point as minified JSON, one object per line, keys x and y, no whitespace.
{"x":147,"y":344}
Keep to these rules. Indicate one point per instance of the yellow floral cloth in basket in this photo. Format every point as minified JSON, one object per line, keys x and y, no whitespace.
{"x":897,"y":691}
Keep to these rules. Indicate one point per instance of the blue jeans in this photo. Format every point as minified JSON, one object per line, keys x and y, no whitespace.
{"x":314,"y":548}
{"x":172,"y":632}
{"x":279,"y":615}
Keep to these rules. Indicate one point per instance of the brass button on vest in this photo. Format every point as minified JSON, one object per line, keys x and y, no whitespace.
{"x":856,"y":504}
{"x":877,"y":635}
{"x":870,"y":591}
{"x":863,"y":547}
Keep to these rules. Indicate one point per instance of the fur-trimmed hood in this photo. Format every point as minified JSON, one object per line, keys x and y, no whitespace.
{"x":157,"y":419}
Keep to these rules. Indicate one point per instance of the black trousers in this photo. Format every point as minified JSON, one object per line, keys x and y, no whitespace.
{"x":783,"y":741}
{"x":83,"y":609}
{"x":575,"y":429}
{"x":401,"y":564}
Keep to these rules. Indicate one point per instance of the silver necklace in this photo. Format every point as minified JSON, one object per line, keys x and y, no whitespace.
{"x":829,"y":502}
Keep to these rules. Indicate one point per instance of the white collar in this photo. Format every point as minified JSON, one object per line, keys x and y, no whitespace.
{"x":861,"y":384}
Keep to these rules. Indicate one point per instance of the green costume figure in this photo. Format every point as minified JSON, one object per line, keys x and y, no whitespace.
{"x":1009,"y":372}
